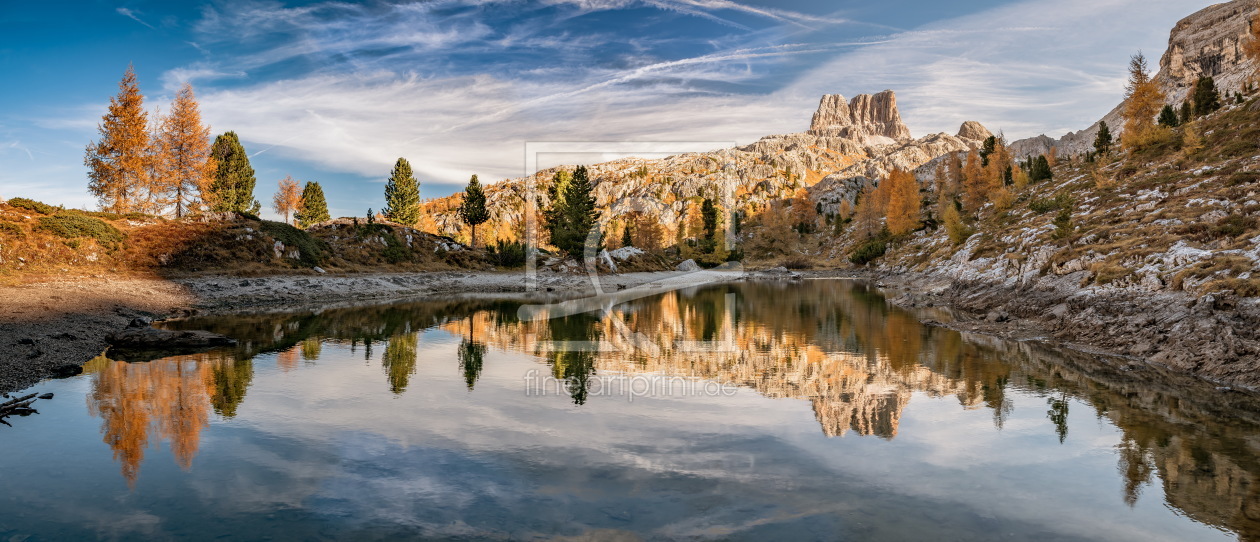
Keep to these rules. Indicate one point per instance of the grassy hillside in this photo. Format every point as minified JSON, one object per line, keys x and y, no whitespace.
{"x":38,"y":240}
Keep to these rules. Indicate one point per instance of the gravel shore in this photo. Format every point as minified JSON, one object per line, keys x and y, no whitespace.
{"x":51,"y":328}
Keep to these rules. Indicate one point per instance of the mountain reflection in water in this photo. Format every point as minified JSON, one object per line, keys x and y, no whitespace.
{"x":836,"y":344}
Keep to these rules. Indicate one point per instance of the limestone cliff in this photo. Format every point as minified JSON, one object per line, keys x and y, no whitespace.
{"x":867,"y":118}
{"x":849,"y":144}
{"x":1207,"y":43}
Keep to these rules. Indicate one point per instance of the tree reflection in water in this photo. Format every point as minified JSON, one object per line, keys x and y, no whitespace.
{"x":837,"y":344}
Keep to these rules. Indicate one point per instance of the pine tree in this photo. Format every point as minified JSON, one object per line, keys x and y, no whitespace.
{"x":1040,"y":170}
{"x":287,"y":199}
{"x":1168,"y":117}
{"x":903,"y":202}
{"x":185,"y":152}
{"x":1102,"y":141}
{"x":1206,"y":98}
{"x":402,"y":195}
{"x":990,"y":145}
{"x":118,"y":164}
{"x":314,"y":208}
{"x":575,"y":215}
{"x":1187,"y":113}
{"x":232,"y":189}
{"x":627,"y":237}
{"x":709,"y":216}
{"x":555,"y":194}
{"x":473,"y":210}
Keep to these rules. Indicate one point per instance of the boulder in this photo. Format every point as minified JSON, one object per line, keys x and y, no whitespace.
{"x":689,"y":265}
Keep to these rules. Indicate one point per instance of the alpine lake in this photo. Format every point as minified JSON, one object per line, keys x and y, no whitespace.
{"x":807,"y":410}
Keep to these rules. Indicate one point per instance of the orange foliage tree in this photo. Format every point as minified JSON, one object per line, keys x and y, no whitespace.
{"x":288,"y":198}
{"x":903,"y":202}
{"x":1142,"y":101}
{"x":183,"y":145}
{"x":118,"y":164}
{"x":975,"y":185}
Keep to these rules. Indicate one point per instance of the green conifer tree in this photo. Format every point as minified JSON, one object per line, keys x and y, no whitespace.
{"x":1102,"y":142}
{"x":473,"y":210}
{"x":1187,"y":112}
{"x":1206,"y":98}
{"x":232,"y":189}
{"x":314,"y":207}
{"x":402,"y":195}
{"x":709,"y":216}
{"x":1168,"y":117}
{"x":575,"y":215}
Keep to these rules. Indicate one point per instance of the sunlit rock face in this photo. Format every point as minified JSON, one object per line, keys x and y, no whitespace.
{"x":867,"y":118}
{"x":1207,"y":43}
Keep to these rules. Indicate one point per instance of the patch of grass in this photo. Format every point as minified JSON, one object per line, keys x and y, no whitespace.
{"x":72,"y":225}
{"x":1233,"y":226}
{"x":1106,"y":273}
{"x":32,"y":205}
{"x":798,"y":262}
{"x":311,"y":250}
{"x":1240,"y":287}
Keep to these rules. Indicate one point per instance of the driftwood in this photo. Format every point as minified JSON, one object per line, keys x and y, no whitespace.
{"x":20,"y":406}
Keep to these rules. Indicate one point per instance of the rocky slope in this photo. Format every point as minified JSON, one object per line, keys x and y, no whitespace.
{"x":1207,"y":43}
{"x":847,"y":144}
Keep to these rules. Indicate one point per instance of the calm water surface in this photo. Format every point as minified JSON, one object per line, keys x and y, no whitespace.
{"x":749,"y":412}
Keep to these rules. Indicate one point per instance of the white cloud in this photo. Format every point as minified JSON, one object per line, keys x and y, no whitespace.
{"x":133,"y":16}
{"x":1059,"y":74}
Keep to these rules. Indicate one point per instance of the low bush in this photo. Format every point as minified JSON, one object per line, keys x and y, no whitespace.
{"x":11,"y":230}
{"x":71,"y":225}
{"x":868,"y":251}
{"x":507,"y":254}
{"x":1045,"y":205}
{"x":311,"y":250}
{"x":32,"y":205}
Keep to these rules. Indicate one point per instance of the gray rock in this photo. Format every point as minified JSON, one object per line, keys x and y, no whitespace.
{"x":689,"y":265}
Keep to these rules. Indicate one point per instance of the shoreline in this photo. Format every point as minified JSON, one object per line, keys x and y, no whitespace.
{"x":51,"y":328}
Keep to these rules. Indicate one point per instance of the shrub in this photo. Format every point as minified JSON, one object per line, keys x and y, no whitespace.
{"x":311,"y":250}
{"x":1044,"y":205}
{"x":32,"y":205}
{"x":1234,"y":225}
{"x":507,"y":254}
{"x":1063,"y":224}
{"x":12,"y":230}
{"x":71,"y":225}
{"x":868,"y":251}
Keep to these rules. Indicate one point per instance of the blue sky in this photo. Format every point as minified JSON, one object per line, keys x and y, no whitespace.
{"x":336,"y":91}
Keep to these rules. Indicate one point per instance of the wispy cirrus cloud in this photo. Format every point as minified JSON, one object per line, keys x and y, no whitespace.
{"x":125,"y":12}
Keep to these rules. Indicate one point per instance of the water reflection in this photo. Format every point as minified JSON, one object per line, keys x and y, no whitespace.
{"x":837,"y":344}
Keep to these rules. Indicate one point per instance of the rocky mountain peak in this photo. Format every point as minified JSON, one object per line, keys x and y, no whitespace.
{"x":869,"y":118}
{"x":974,"y":131}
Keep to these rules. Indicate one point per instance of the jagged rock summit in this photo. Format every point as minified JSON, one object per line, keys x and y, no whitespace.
{"x":871,"y":119}
{"x":974,"y":131}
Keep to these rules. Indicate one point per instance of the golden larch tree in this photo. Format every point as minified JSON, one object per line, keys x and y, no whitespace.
{"x":288,"y":198}
{"x":866,"y":219}
{"x":1142,"y":101}
{"x":903,"y":202}
{"x":184,"y":151}
{"x":1251,"y":46}
{"x":118,"y":164}
{"x":974,"y":184}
